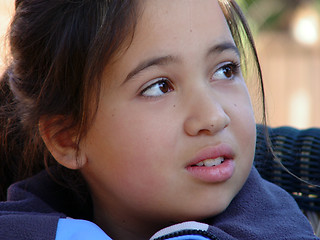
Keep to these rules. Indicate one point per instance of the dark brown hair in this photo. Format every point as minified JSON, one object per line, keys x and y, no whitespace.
{"x":59,"y":50}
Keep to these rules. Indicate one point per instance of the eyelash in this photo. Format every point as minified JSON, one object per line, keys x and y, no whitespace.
{"x":168,"y":87}
{"x":234,"y":67}
{"x":165,"y":83}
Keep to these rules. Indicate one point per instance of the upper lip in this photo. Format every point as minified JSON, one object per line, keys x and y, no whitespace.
{"x":213,"y":152}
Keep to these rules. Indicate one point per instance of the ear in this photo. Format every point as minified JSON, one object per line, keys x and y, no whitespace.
{"x":61,"y":141}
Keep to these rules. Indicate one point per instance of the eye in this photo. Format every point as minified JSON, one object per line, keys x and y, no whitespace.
{"x":228,"y":71}
{"x":157,"y":88}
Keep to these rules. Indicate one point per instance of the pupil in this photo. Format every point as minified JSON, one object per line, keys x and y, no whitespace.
{"x":164,"y":87}
{"x":228,"y":72}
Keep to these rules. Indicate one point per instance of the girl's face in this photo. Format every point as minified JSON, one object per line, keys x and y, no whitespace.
{"x":172,"y":107}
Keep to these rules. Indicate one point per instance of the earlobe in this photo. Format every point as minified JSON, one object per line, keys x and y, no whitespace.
{"x":62,"y":143}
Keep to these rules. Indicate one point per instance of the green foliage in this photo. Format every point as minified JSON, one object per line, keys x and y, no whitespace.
{"x":246,"y":4}
{"x":272,"y":14}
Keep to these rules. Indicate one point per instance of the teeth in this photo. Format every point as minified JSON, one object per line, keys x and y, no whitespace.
{"x":211,"y":162}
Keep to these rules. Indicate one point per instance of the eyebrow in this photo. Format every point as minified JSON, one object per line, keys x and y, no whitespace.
{"x":165,"y":60}
{"x":219,"y":48}
{"x":158,"y":61}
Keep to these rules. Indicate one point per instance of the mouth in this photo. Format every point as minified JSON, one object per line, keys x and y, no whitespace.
{"x":212,"y":156}
{"x":213,"y":164}
{"x":210,"y":162}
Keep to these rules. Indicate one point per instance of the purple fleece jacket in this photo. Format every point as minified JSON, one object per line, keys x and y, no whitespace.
{"x":261,"y":210}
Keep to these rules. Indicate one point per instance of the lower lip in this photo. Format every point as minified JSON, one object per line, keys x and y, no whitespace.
{"x":215,"y":174}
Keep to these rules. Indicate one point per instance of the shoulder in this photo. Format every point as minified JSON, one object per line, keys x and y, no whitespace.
{"x":37,"y":194}
{"x":26,"y":216}
{"x":20,"y":226}
{"x":48,"y":192}
{"x":34,"y":208}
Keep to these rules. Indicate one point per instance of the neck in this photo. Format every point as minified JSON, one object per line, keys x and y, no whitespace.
{"x":124,"y":227}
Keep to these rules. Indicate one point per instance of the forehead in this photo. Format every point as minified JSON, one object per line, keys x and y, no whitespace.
{"x":183,"y":28}
{"x":172,"y":19}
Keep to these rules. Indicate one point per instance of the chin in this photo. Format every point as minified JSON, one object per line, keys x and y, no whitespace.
{"x":205,"y":212}
{"x":214,"y":207}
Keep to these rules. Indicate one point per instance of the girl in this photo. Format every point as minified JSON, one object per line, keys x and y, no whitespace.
{"x":146,"y":101}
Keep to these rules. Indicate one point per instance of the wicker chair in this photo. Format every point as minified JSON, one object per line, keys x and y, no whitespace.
{"x":299,"y":152}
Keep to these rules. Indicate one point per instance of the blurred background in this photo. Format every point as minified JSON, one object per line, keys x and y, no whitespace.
{"x":288,"y":44}
{"x":6,"y":10}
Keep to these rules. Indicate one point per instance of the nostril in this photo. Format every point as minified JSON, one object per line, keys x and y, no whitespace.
{"x":206,"y":131}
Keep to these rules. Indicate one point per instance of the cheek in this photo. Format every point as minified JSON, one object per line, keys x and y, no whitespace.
{"x":242,"y":111}
{"x":245,"y":121}
{"x":127,"y":149}
{"x":243,"y":128}
{"x":142,"y":136}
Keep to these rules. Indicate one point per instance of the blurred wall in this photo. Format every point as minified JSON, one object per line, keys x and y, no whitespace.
{"x":291,"y":74}
{"x":290,"y":60}
{"x":6,"y":10}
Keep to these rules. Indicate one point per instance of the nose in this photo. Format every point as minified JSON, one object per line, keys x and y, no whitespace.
{"x":206,"y":115}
